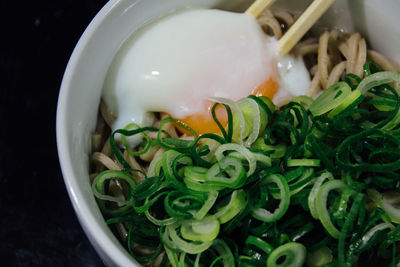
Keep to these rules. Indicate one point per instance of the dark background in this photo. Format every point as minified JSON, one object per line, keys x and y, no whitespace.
{"x":38,"y":226}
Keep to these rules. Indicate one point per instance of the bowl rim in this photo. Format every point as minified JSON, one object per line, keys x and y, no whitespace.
{"x":105,"y":248}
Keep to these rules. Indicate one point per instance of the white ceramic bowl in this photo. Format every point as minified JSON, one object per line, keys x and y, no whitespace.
{"x":83,"y":79}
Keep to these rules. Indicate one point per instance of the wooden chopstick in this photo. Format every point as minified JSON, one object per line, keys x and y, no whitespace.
{"x":258,"y":7}
{"x":302,"y":25}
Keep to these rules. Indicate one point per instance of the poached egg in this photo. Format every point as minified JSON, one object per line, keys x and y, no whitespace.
{"x":179,"y":63}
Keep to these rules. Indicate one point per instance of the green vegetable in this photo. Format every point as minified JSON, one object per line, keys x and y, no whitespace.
{"x":206,"y":229}
{"x":266,"y":216}
{"x":330,"y":98}
{"x":316,"y":182}
{"x":320,"y":257}
{"x":291,"y":254}
{"x":233,"y":169}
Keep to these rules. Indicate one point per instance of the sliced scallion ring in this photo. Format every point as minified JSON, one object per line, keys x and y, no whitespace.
{"x":236,"y":174}
{"x":99,"y":185}
{"x":195,"y":179}
{"x":208,"y":204}
{"x":377,"y":79}
{"x":293,"y":255}
{"x":303,"y":162}
{"x":183,"y":245}
{"x":346,"y":102}
{"x":259,"y":243}
{"x":231,"y":206}
{"x":374,"y":230}
{"x":321,"y":202}
{"x":320,"y":257}
{"x":206,"y":229}
{"x":314,"y":191}
{"x":388,"y":202}
{"x":330,"y":98}
{"x":284,"y":196}
{"x":264,"y":160}
{"x":124,"y":141}
{"x":219,"y":154}
{"x":159,"y":222}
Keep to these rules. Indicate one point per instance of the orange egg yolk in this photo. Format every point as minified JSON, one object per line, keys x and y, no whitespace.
{"x":203,"y":123}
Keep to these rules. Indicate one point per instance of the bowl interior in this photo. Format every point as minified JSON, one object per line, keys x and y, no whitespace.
{"x":83,"y":80}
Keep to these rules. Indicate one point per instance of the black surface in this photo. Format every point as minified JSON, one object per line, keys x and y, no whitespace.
{"x":38,"y":224}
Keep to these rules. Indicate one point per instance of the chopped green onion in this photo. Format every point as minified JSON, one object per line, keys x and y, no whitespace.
{"x":346,"y":102}
{"x":304,"y":100}
{"x":387,"y":203}
{"x":379,"y":227}
{"x":330,"y":98}
{"x":236,"y":202}
{"x":322,"y":172}
{"x":314,"y":192}
{"x":99,"y":190}
{"x":259,"y":243}
{"x":377,"y":79}
{"x":303,"y":162}
{"x":127,"y":146}
{"x":183,"y":245}
{"x":266,"y":216}
{"x":320,"y":257}
{"x":167,"y":163}
{"x":233,"y":169}
{"x":211,"y":198}
{"x":321,"y":205}
{"x":219,"y":154}
{"x":206,"y":229}
{"x":277,"y":151}
{"x":227,"y":135}
{"x":290,"y":254}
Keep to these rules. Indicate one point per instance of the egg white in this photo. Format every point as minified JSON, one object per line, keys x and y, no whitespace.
{"x":183,"y":59}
